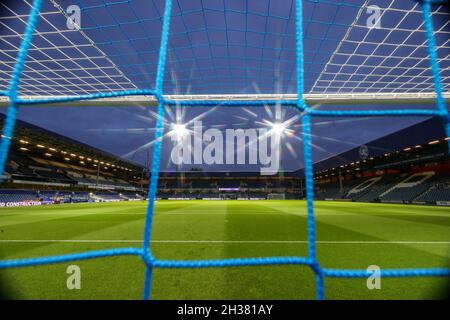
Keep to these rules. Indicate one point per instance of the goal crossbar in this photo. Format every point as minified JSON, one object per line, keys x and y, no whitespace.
{"x":311,"y":99}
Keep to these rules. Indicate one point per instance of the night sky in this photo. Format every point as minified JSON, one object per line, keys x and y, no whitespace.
{"x":126,"y":131}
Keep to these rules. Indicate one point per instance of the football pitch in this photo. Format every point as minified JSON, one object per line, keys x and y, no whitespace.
{"x":350,"y":235}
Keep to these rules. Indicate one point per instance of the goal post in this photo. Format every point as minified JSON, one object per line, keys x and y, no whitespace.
{"x":228,"y":196}
{"x":276,"y":196}
{"x":311,"y":99}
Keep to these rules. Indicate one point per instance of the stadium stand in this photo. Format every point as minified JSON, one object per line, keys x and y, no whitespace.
{"x":104,"y":196}
{"x":255,"y":184}
{"x":131,"y":196}
{"x":201,"y":184}
{"x":44,"y":167}
{"x":381,"y":186}
{"x":362,"y":188}
{"x":80,"y":196}
{"x":16,"y":196}
{"x":404,"y":174}
{"x":438,"y":191}
{"x":65,"y":196}
{"x":43,"y":158}
{"x":408,"y":189}
{"x":396,"y":172}
{"x":49,"y":195}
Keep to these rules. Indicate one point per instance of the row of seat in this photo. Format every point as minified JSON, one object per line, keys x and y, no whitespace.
{"x":420,"y":187}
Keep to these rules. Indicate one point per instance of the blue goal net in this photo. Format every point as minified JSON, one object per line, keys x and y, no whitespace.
{"x":353,"y":66}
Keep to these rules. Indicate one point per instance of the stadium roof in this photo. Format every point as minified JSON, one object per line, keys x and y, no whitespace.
{"x":33,"y":137}
{"x":420,"y":134}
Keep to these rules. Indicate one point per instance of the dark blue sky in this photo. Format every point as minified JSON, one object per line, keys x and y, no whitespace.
{"x":126,"y":131}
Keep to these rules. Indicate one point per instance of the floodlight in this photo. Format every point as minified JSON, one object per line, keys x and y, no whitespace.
{"x":278,"y":128}
{"x":179,"y":130}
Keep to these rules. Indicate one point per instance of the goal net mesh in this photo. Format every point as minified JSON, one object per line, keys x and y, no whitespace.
{"x":63,"y":51}
{"x":276,"y":196}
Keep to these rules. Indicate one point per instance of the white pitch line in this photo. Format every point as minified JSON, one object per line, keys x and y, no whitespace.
{"x":219,"y":241}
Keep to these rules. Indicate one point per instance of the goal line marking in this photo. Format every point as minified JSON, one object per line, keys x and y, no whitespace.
{"x":218,"y":241}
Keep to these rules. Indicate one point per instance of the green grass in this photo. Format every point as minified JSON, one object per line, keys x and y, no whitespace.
{"x":351,"y":235}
